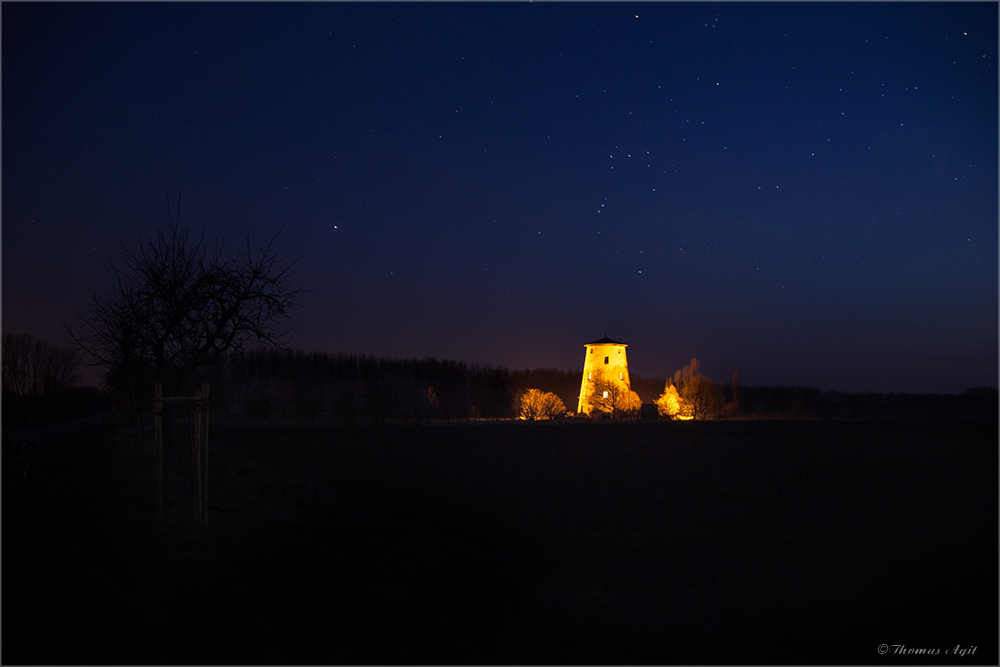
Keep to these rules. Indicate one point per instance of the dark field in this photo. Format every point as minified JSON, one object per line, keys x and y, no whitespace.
{"x":802,"y":542}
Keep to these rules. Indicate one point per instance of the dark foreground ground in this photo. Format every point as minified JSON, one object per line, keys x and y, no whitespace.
{"x":730,"y":542}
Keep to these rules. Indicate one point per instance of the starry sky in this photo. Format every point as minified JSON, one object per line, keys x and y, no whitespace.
{"x":805,"y":192}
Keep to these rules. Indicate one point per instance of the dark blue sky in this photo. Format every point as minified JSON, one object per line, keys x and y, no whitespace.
{"x":806,"y":192}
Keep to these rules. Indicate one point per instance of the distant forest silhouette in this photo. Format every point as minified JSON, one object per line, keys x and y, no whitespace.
{"x":354,"y":389}
{"x":350,"y":389}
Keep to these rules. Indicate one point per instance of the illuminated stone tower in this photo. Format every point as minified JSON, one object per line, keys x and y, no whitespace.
{"x":605,"y":361}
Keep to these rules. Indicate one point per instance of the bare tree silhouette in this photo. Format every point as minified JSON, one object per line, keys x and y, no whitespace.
{"x":176,"y":305}
{"x":35,"y":367}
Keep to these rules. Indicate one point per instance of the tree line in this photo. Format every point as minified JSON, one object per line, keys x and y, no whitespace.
{"x":294,"y":385}
{"x":976,"y":403}
{"x":272,"y":384}
{"x":266,"y":384}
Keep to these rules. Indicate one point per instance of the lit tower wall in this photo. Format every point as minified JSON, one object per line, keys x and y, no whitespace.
{"x":605,"y":358}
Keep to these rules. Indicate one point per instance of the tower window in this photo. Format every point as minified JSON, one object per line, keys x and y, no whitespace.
{"x":621,"y":376}
{"x":605,"y":394}
{"x":605,"y":360}
{"x":590,"y":376}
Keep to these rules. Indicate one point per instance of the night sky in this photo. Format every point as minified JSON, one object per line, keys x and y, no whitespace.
{"x":805,"y":192}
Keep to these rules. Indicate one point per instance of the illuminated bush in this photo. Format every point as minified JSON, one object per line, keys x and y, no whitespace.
{"x":538,"y":404}
{"x":669,"y":403}
{"x":690,"y":395}
{"x":630,"y":406}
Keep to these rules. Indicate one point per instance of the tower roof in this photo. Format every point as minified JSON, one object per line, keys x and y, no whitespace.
{"x":606,"y":341}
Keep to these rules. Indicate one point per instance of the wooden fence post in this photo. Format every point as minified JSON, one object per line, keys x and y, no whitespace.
{"x":196,"y":455}
{"x":198,"y":406}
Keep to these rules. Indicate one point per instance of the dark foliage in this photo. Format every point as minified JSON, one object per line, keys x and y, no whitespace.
{"x":781,"y":401}
{"x":343,"y":388}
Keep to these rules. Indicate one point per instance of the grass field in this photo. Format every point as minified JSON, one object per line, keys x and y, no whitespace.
{"x":803,"y":542}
